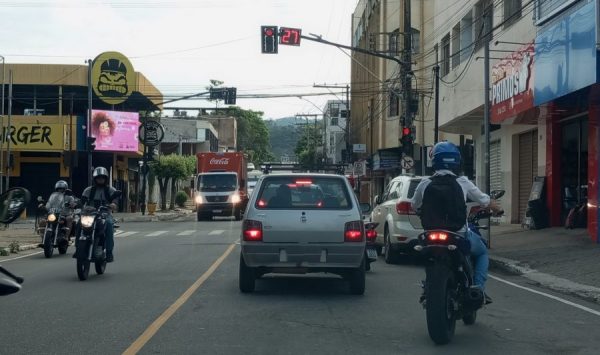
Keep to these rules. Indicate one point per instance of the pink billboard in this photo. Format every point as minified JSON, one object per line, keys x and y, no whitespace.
{"x":115,"y":131}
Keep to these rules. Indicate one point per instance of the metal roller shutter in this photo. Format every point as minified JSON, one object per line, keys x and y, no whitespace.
{"x":495,"y":171}
{"x":528,"y":163}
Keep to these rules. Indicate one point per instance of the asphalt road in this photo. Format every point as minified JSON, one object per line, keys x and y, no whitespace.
{"x":157,"y":262}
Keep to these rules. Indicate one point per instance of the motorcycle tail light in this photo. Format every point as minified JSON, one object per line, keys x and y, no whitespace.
{"x":437,"y":236}
{"x":371,"y":234}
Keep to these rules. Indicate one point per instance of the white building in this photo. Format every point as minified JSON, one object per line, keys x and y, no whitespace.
{"x":335,"y":114}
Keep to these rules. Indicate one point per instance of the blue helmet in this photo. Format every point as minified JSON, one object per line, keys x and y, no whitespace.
{"x":446,"y":156}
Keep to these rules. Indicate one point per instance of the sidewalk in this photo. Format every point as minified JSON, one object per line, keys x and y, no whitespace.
{"x":556,"y":258}
{"x":22,"y":232}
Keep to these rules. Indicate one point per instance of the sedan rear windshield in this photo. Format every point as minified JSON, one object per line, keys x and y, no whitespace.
{"x":298,"y":192}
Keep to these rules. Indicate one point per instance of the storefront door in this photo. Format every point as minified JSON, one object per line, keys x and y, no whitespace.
{"x":528,"y":165}
{"x":574,"y":163}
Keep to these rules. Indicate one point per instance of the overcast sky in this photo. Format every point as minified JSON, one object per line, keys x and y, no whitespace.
{"x":180,"y":45}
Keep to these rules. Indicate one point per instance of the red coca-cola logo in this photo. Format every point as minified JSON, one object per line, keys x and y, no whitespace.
{"x":220,"y":161}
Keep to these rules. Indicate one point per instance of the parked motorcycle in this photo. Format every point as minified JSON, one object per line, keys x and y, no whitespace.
{"x":370,"y":250}
{"x":12,"y":203}
{"x":89,"y":242}
{"x":57,"y":233}
{"x":449,"y":294}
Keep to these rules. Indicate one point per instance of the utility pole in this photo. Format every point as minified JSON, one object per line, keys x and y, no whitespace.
{"x":3,"y":131}
{"x":348,"y":157}
{"x":407,"y":70}
{"x":89,"y":123}
{"x":8,"y":135}
{"x":436,"y":71}
{"x":486,"y":113}
{"x":71,"y":157}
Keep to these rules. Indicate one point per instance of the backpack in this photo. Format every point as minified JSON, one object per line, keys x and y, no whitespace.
{"x":444,"y":205}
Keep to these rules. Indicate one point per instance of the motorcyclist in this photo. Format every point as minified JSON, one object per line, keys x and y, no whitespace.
{"x":58,"y":199}
{"x":446,"y":161}
{"x":99,"y":195}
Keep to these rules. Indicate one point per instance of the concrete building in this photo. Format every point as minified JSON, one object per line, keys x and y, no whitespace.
{"x":188,"y":136}
{"x":226,"y":127}
{"x":335,"y":115}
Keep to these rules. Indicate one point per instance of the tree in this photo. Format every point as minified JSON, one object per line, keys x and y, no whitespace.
{"x":252,"y":134}
{"x":306,"y":148}
{"x":171,"y":168}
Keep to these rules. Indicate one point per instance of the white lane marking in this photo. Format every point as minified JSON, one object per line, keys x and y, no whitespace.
{"x":216,"y":232}
{"x":118,"y":231}
{"x":583,"y":308}
{"x":189,"y":232}
{"x":126,"y":234}
{"x":22,"y":256}
{"x":156,"y":234}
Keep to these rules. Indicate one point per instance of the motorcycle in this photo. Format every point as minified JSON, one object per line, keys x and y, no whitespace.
{"x":56,"y":233}
{"x":12,"y":203}
{"x":89,"y":242}
{"x":370,"y":250}
{"x":448,"y":292}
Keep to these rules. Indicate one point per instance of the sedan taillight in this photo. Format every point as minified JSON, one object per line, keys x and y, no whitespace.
{"x":252,"y":231}
{"x":353,"y":232}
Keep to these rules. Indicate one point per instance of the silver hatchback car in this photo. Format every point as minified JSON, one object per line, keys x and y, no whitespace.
{"x":303,"y":223}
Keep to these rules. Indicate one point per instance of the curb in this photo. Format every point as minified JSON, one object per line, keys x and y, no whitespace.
{"x":154,"y":218}
{"x":22,"y":248}
{"x":586,"y":292}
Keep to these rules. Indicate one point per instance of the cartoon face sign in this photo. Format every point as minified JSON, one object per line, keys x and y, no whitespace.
{"x":113,"y":77}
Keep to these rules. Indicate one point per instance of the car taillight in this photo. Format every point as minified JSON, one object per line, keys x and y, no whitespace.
{"x":404,"y":208}
{"x":252,"y":231}
{"x":371,"y":235}
{"x":353,"y":232}
{"x":437,"y":236}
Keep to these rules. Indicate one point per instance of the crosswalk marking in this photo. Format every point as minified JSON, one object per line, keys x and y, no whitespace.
{"x":126,"y":234}
{"x":156,"y":234}
{"x":189,"y":232}
{"x":216,"y":232}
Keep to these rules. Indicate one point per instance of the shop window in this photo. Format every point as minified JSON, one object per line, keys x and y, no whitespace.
{"x":483,"y":20}
{"x":466,"y":37}
{"x":547,"y":9}
{"x":445,"y":64}
{"x":456,"y":46}
{"x":512,"y":12}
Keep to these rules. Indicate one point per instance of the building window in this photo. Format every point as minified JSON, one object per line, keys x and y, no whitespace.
{"x":546,"y":9}
{"x":393,"y":42}
{"x":445,"y":64}
{"x":344,"y":113}
{"x":483,"y":21}
{"x":512,"y":12}
{"x":456,"y":46}
{"x":415,"y":41}
{"x":334,"y":110}
{"x":394,"y":104}
{"x":334,"y":121}
{"x":466,"y":37}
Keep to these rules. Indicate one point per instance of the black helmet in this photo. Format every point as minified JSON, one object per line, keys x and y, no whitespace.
{"x":61,"y":184}
{"x":100,"y":172}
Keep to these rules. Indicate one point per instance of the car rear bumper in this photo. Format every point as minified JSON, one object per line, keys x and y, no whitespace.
{"x":294,"y":256}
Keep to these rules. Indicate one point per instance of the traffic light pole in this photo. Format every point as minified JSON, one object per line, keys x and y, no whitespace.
{"x":89,"y":123}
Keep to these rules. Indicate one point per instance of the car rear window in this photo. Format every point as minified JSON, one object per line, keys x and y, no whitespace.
{"x":303,"y":192}
{"x":412,"y":187}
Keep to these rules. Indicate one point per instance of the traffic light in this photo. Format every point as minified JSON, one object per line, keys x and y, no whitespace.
{"x":269,"y":42}
{"x":91,"y":144}
{"x":407,"y":140}
{"x":230,"y":96}
{"x":216,"y":93}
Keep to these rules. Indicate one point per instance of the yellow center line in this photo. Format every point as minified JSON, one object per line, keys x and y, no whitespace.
{"x":168,"y":313}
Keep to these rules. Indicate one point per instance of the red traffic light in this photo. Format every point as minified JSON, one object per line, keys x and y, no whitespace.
{"x":269,"y":32}
{"x":406,"y":131}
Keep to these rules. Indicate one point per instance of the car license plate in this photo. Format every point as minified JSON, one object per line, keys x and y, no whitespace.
{"x":371,"y":253}
{"x":217,"y":211}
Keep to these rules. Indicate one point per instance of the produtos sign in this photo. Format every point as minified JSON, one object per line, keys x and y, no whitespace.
{"x":512,"y":84}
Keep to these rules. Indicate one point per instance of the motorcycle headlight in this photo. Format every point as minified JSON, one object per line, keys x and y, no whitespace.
{"x":198,"y":199}
{"x":236,"y":198}
{"x":51,"y":217}
{"x":87,"y":221}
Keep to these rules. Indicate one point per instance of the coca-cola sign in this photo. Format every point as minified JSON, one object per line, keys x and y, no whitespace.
{"x":219,"y":161}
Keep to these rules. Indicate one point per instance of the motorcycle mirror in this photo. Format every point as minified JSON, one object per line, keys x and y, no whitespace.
{"x":496,"y":194}
{"x":12,"y":203}
{"x":8,"y":287}
{"x":68,"y":192}
{"x":40,"y":199}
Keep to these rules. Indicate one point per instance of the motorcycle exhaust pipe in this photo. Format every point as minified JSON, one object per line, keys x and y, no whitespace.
{"x":475,"y":295}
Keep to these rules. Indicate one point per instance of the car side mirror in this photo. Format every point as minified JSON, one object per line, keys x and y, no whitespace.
{"x":40,"y":199}
{"x":68,"y":192}
{"x":378,"y":199}
{"x":365,"y":208}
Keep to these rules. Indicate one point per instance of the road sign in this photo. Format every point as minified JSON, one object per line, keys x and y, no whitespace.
{"x":360,"y":168}
{"x":407,"y":162}
{"x":359,"y":148}
{"x":151,"y":133}
{"x":429,"y":156}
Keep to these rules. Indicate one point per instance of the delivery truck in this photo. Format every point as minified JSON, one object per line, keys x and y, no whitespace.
{"x":221,"y":185}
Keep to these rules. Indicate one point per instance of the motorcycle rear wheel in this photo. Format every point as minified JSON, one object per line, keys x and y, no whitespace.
{"x":470,"y":318}
{"x":62,"y":249}
{"x":441,"y":321}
